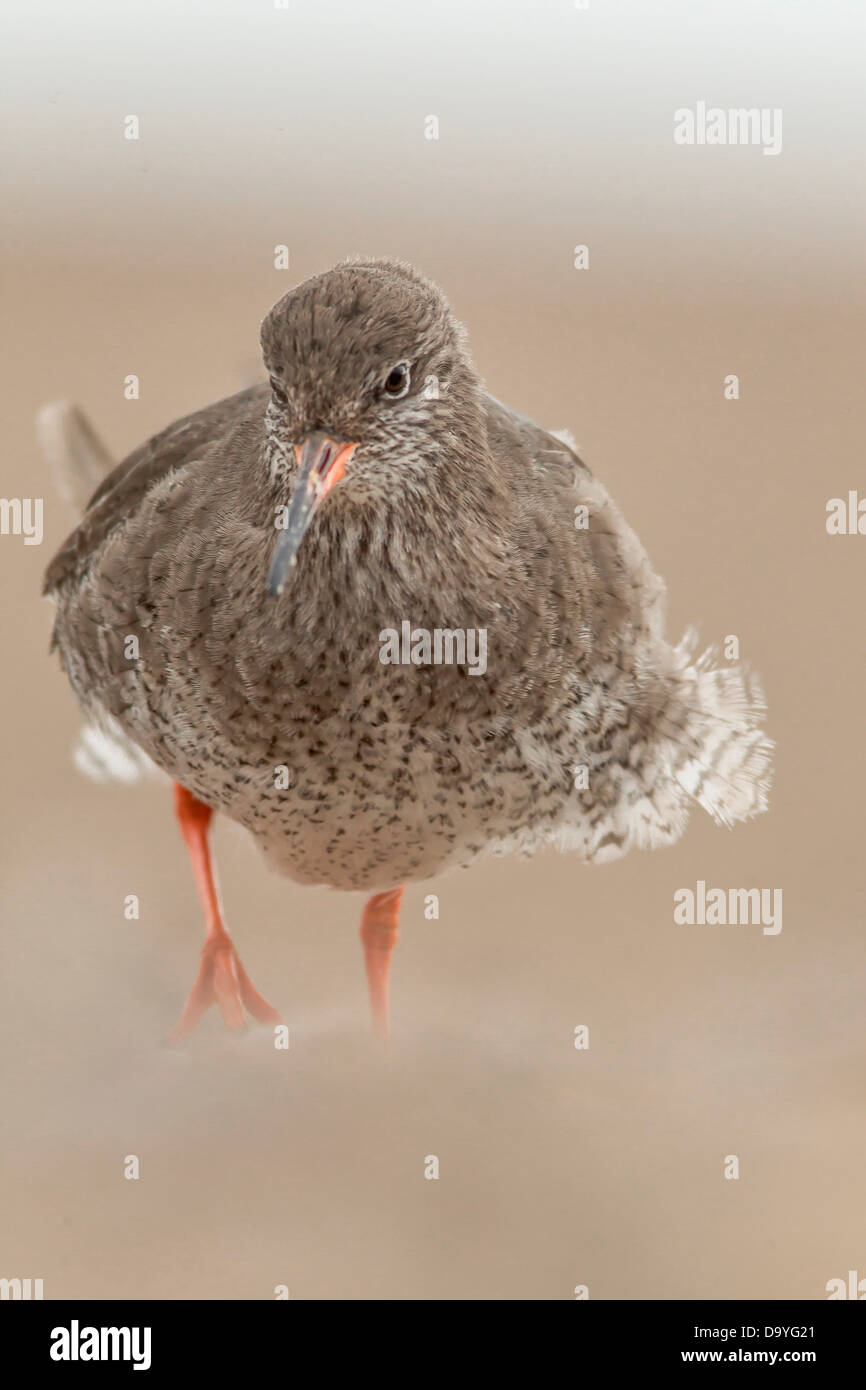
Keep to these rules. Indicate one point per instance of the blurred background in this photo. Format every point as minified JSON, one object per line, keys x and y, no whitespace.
{"x":306,"y":126}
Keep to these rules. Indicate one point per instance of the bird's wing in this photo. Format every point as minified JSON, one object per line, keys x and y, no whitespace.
{"x":625,"y":588}
{"x":123,"y":489}
{"x":79,"y":458}
{"x":507,"y":427}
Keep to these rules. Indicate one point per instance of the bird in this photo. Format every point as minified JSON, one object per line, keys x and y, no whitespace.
{"x":386,"y":623}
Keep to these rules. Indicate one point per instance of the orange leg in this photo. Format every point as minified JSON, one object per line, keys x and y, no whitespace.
{"x":379,"y":925}
{"x":221,"y":977}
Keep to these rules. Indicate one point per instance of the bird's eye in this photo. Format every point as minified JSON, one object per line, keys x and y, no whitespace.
{"x":397,"y":381}
{"x":277,"y":392}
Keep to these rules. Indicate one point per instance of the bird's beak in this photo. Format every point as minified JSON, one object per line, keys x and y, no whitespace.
{"x":321,"y":463}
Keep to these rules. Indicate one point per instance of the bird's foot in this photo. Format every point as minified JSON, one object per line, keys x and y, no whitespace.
{"x":222,"y":980}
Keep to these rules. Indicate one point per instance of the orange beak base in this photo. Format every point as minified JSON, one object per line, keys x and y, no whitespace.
{"x":321,"y":464}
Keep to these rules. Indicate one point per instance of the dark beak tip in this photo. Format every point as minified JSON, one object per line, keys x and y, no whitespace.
{"x":276,"y":583}
{"x":279,"y":572}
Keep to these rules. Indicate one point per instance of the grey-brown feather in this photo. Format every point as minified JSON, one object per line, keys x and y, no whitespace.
{"x":455,"y":512}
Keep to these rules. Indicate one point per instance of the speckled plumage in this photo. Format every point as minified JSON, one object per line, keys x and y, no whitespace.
{"x":455,"y":512}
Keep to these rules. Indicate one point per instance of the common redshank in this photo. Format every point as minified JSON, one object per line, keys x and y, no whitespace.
{"x":386,"y":623}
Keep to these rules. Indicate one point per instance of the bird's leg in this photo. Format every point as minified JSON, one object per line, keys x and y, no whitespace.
{"x":379,"y":925}
{"x":221,"y":977}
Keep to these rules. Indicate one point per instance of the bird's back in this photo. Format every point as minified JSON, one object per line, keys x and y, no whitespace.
{"x":125,"y":487}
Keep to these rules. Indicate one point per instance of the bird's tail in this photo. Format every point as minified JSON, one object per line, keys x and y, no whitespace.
{"x":701,"y":742}
{"x":721,"y":756}
{"x":76,"y":453}
{"x":80,"y":461}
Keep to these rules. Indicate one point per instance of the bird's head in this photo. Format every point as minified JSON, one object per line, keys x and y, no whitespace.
{"x":372,"y":392}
